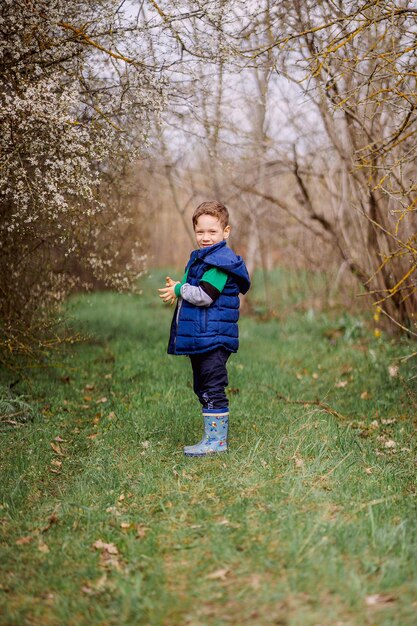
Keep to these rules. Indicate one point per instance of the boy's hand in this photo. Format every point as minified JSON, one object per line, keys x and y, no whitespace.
{"x":169,"y":282}
{"x":167,"y":293}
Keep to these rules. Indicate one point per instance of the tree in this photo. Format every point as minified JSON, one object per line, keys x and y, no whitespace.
{"x":357,"y":64}
{"x":73,"y":106}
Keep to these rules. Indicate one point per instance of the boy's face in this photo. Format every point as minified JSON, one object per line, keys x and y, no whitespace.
{"x":208,"y":231}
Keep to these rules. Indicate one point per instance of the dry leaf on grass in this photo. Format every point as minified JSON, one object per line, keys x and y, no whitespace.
{"x":298,"y":461}
{"x":43,"y":547}
{"x":219,"y":574}
{"x":110,"y":548}
{"x":23,"y":540}
{"x":380,"y":600}
{"x":101,"y":401}
{"x":53,"y":519}
{"x":112,"y":509}
{"x":55,"y":447}
{"x":341,"y":383}
{"x":96,"y":587}
{"x":141,"y":531}
{"x":109,"y":554}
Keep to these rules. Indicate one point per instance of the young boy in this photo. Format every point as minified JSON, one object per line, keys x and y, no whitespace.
{"x":204,"y":325}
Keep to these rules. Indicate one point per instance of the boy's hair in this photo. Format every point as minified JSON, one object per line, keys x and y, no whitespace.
{"x":217,"y":209}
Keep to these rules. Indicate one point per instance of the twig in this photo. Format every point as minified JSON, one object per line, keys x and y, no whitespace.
{"x":8,"y":415}
{"x":321,"y":405}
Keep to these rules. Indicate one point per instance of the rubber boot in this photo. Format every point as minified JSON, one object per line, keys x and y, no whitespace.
{"x":216,"y":422}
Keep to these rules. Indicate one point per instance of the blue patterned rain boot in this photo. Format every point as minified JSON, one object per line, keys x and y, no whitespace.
{"x":216,"y":422}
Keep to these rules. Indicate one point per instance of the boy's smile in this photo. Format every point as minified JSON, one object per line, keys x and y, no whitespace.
{"x":209,"y":230}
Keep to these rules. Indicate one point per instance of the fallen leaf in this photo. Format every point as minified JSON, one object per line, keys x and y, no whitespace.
{"x":87,"y":398}
{"x":121,"y":497}
{"x":146,"y":444}
{"x":101,"y":401}
{"x":108,"y":376}
{"x":390,"y":443}
{"x":89,"y":387}
{"x":219,"y":574}
{"x":315,"y":375}
{"x":364,"y":395}
{"x":111,"y":415}
{"x":125,"y":525}
{"x":96,"y":419}
{"x":53,"y":519}
{"x":112,"y":509}
{"x":379,"y":600}
{"x":109,"y":554}
{"x":42,"y":547}
{"x":56,"y":462}
{"x":141,"y":531}
{"x":368,"y":470}
{"x":110,"y":548}
{"x":299,"y":376}
{"x":298,"y":461}
{"x":95,"y":587}
{"x":388,"y":421}
{"x":393,"y":371}
{"x":93,"y":436}
{"x":341,"y":383}
{"x":23,"y":540}
{"x":59,"y":439}
{"x":55,"y":447}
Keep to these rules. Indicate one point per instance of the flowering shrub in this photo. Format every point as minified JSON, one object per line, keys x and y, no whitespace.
{"x":71,"y":109}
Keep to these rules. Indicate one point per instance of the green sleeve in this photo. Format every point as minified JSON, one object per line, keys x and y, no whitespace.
{"x":215,"y":277}
{"x":177,"y":288}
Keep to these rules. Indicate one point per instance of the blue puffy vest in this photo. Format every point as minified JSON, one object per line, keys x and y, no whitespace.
{"x":200,"y":329}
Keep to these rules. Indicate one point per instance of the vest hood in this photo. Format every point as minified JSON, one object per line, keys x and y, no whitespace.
{"x":222,"y":257}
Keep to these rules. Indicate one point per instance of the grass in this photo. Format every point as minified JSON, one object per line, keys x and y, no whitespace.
{"x":309,"y":519}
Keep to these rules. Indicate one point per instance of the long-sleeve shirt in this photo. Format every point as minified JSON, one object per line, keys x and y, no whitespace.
{"x":210,"y":287}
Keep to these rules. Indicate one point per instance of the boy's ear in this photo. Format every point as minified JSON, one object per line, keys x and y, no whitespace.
{"x":226,"y":232}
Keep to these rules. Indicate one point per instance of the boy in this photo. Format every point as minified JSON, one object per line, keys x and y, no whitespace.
{"x":204,"y":325}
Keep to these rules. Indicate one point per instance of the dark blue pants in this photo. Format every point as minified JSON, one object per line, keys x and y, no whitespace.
{"x":210,"y":378}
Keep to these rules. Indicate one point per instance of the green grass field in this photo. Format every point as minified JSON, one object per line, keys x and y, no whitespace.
{"x":309,"y":520}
